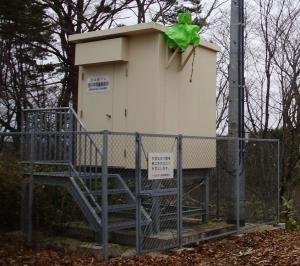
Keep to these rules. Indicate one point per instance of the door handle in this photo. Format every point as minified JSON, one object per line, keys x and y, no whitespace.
{"x":108,"y":116}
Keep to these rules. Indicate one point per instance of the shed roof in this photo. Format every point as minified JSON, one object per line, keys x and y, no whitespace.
{"x":128,"y":31}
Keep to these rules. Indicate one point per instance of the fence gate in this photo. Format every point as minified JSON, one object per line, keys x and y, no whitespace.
{"x":158,"y":188}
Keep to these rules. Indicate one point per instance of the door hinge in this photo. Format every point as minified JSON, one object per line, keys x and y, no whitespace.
{"x":125,"y":112}
{"x":81,"y":113}
{"x":126,"y":72}
{"x":125,"y":153}
{"x":82,"y":76}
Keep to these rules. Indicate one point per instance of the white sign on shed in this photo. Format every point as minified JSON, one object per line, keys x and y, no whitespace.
{"x":98,"y":83}
{"x":160,"y":166}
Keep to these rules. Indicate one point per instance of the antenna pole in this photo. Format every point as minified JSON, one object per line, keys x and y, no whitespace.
{"x":236,"y":107}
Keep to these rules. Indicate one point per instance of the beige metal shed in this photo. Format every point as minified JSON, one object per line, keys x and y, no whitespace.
{"x":130,"y":81}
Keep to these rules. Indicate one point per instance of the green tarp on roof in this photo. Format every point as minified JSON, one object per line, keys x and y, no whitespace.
{"x":183,"y":33}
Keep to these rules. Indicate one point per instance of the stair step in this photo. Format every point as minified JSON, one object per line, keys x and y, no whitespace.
{"x":121,"y":207}
{"x":109,"y":191}
{"x":88,"y":175}
{"x":121,"y":225}
{"x":48,"y":162}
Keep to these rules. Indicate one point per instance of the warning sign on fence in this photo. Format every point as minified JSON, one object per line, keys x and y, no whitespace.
{"x":160,"y":165}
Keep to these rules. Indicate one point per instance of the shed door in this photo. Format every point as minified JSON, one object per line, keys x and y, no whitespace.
{"x":120,"y":143}
{"x":97,"y":97}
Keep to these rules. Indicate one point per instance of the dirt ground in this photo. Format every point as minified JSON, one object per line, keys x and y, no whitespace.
{"x":277,"y":247}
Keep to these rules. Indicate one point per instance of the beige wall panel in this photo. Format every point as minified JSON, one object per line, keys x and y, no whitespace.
{"x":199,"y":153}
{"x":192,"y":104}
{"x":141,"y":84}
{"x":197,"y":108}
{"x":168,"y":86}
{"x":197,"y":104}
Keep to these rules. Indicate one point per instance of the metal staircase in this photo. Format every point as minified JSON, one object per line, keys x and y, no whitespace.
{"x":57,"y":138}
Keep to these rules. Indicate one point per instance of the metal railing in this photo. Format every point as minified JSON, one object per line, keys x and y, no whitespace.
{"x":202,"y":197}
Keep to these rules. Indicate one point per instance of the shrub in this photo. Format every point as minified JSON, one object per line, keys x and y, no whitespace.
{"x":289,"y":214}
{"x":10,"y":191}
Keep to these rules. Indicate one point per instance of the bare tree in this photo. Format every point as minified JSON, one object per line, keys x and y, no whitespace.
{"x":220,"y":32}
{"x":264,"y":32}
{"x":22,"y":70}
{"x":71,"y":17}
{"x":288,"y":72}
{"x":166,"y":11}
{"x":272,"y":79}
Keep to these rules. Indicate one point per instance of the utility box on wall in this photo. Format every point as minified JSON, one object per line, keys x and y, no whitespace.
{"x":130,"y":81}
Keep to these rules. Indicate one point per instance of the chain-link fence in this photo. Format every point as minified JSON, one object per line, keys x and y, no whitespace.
{"x":261,"y":173}
{"x":148,"y":191}
{"x":158,"y":196}
{"x":208,"y":188}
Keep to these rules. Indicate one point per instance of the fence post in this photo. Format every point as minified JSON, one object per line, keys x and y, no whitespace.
{"x":71,"y":138}
{"x":206,"y":198}
{"x":105,"y":196}
{"x":278,"y":181}
{"x":138,"y":139}
{"x":22,"y":137}
{"x":27,"y":195}
{"x":179,"y":191}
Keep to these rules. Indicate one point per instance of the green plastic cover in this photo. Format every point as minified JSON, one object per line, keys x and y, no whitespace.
{"x":183,"y":33}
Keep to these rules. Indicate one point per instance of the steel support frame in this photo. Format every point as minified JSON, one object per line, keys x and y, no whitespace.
{"x":205,"y":198}
{"x":104,"y":212}
{"x":278,"y":181}
{"x":179,"y":184}
{"x":138,"y":185}
{"x":27,"y":193}
{"x":26,"y":217}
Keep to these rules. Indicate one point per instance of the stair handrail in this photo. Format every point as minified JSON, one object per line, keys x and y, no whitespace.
{"x":147,"y":216}
{"x":77,"y":117}
{"x":85,"y":187}
{"x":98,"y":151}
{"x":84,"y":129}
